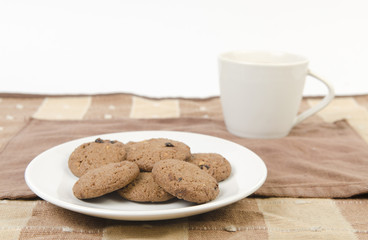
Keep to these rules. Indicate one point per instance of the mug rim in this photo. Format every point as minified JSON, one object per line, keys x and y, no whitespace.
{"x":299,"y":59}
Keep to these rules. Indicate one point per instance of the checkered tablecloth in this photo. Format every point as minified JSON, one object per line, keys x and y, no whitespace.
{"x":332,"y":205}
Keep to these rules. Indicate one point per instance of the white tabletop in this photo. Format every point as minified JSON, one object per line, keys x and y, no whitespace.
{"x":167,"y":48}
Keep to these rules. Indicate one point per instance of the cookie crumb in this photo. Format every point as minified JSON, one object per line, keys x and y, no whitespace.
{"x":67,"y":229}
{"x":147,"y":226}
{"x":230,"y":228}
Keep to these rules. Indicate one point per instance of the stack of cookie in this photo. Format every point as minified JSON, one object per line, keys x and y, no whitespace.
{"x":153,"y":170}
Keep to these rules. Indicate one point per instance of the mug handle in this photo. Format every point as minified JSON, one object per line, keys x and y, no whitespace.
{"x":323,"y":103}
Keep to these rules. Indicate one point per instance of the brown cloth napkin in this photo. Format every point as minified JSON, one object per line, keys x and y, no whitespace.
{"x":316,"y":160}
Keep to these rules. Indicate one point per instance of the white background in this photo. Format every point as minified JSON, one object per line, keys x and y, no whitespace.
{"x":169,"y":48}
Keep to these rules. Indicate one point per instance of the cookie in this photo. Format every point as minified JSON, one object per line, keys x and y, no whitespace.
{"x":147,"y":153}
{"x":212,"y":163}
{"x":185,"y":181}
{"x":105,"y":179}
{"x":144,"y":189}
{"x":95,"y":154}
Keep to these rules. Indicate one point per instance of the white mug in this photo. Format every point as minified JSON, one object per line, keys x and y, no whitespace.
{"x":261,"y":92}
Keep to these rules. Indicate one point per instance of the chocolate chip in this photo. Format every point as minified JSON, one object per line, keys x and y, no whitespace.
{"x":171,"y":177}
{"x":179,"y":179}
{"x":99,"y":140}
{"x":169,"y":144}
{"x":204,"y":166}
{"x":112,"y":142}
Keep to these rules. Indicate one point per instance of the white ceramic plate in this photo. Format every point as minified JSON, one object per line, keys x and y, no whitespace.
{"x":49,"y":177}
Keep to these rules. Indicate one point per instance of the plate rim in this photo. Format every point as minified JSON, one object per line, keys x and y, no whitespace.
{"x":146,"y":215}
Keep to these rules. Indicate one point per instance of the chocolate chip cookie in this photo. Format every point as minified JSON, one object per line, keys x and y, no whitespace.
{"x":105,"y":179}
{"x":146,"y":153}
{"x":144,"y":189}
{"x":185,"y":181}
{"x":95,"y":154}
{"x":212,"y":163}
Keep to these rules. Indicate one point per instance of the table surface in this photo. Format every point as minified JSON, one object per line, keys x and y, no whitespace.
{"x":255,"y":217}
